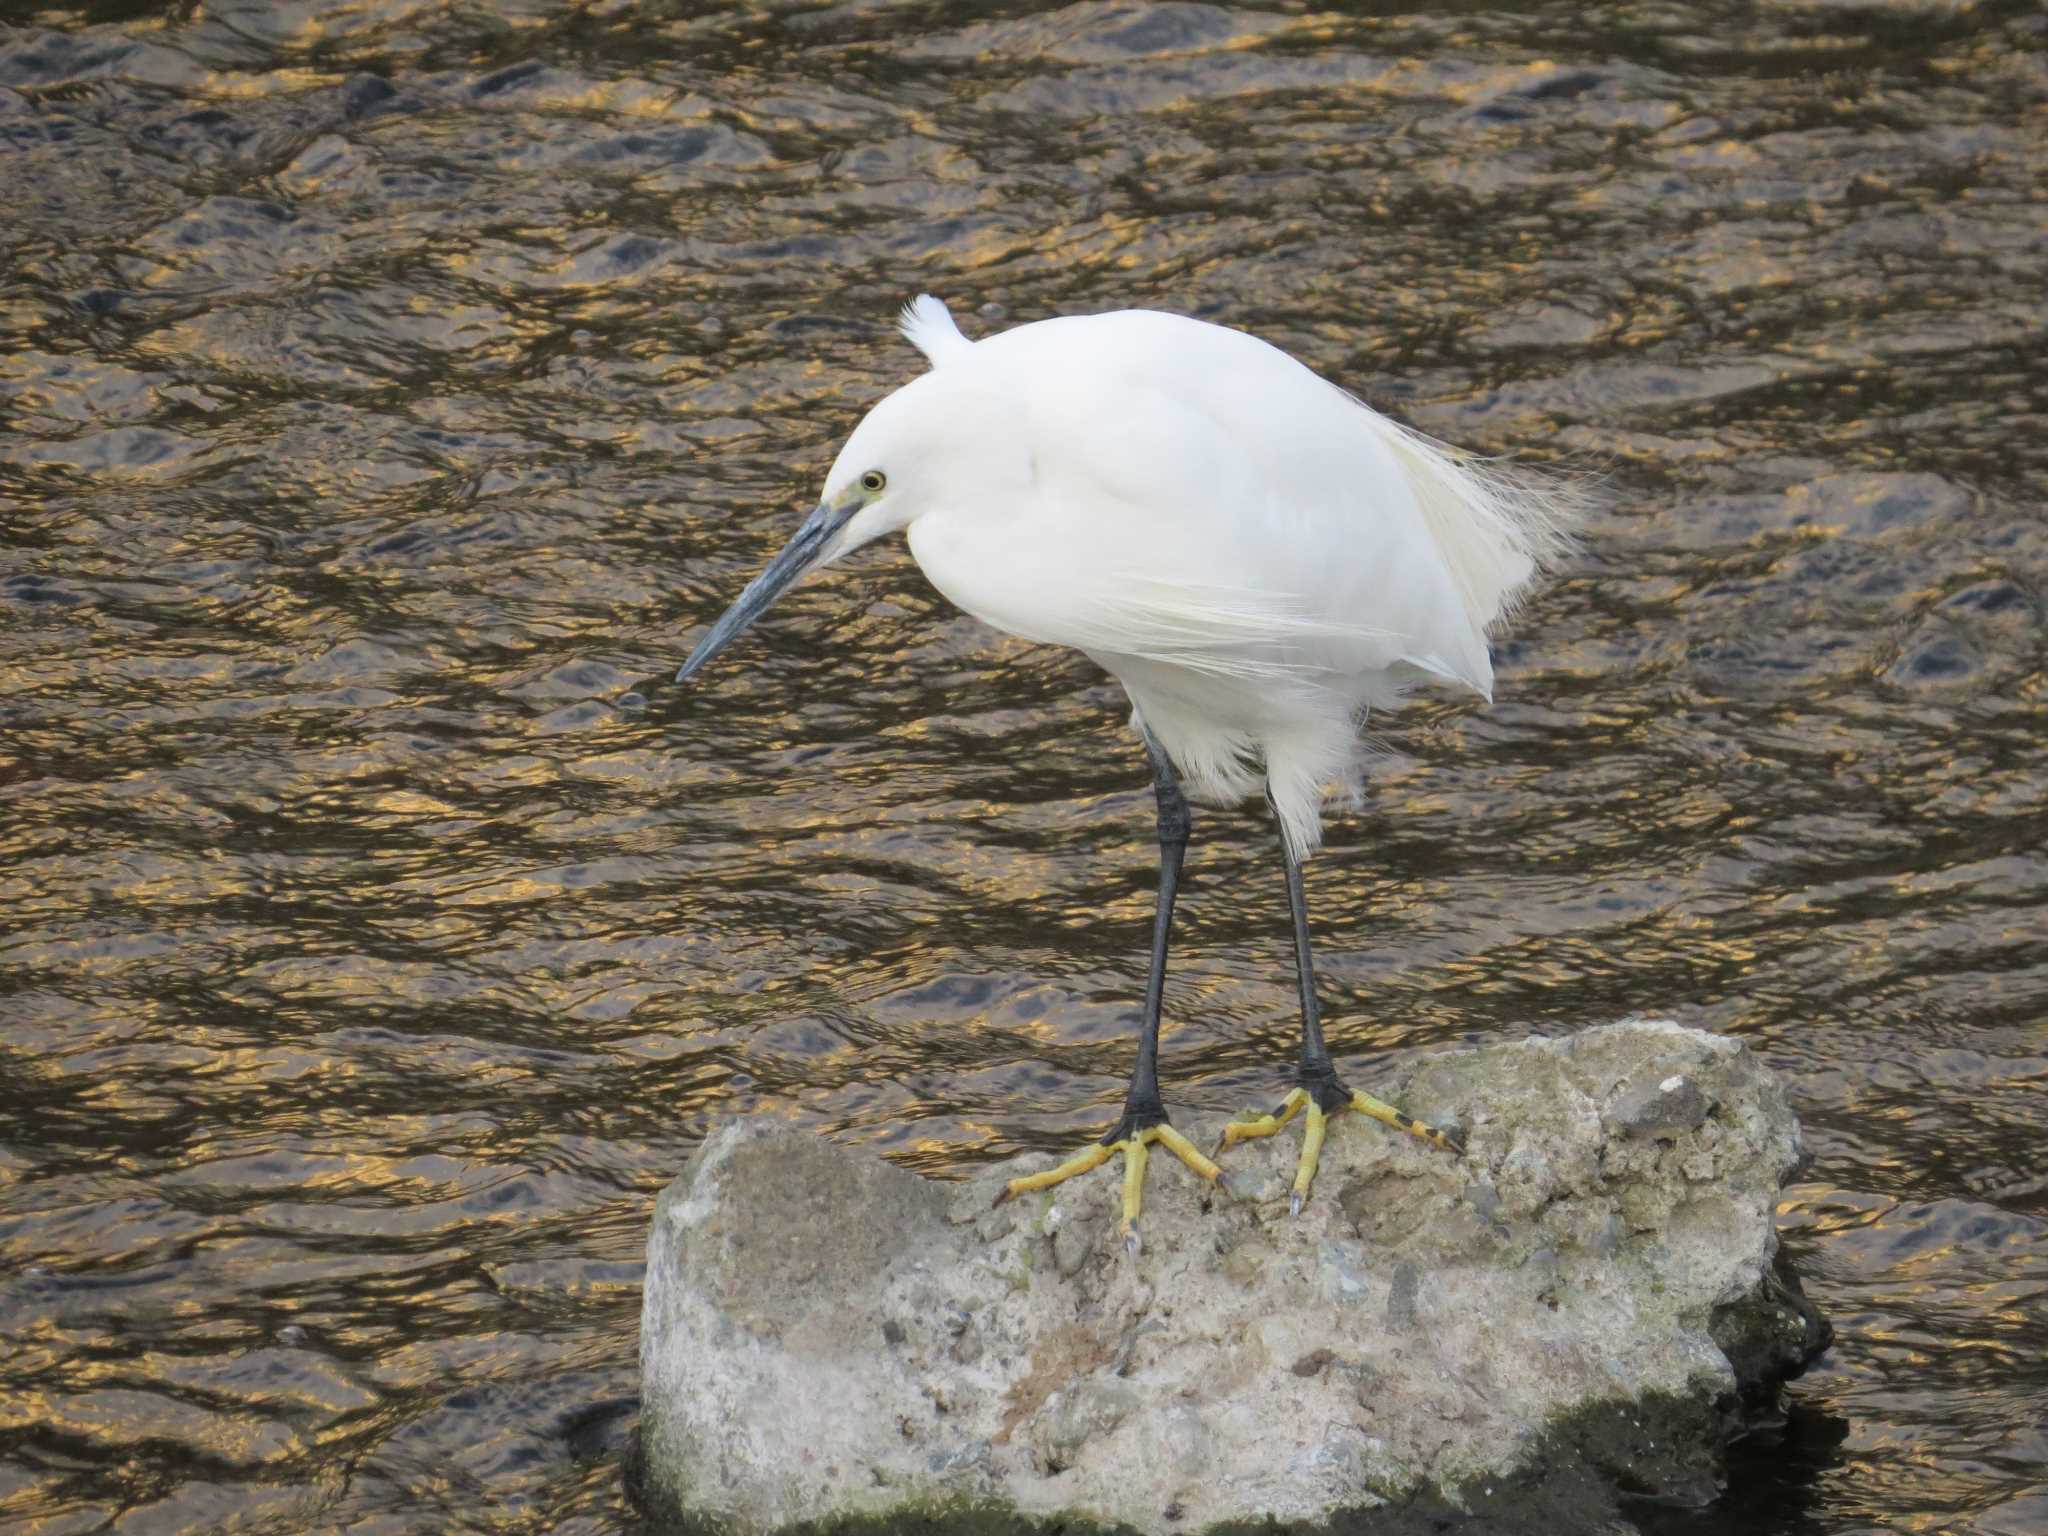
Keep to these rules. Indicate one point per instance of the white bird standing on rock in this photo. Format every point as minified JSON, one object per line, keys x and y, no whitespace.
{"x":1257,"y":557}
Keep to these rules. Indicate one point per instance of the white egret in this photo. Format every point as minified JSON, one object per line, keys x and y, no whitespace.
{"x":1259,"y":558}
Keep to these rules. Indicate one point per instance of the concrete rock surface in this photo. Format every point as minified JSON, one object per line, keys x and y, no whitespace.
{"x":1578,"y":1302}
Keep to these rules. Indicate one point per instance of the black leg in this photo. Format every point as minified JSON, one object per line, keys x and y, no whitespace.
{"x":1143,"y":1121}
{"x":1317,"y":1088}
{"x":1143,"y":1106}
{"x":1317,"y":1075}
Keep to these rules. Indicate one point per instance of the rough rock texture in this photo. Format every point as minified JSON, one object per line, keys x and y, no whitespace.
{"x":827,"y":1336}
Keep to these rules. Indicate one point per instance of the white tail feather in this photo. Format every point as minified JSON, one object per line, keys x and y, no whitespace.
{"x":1498,"y":526}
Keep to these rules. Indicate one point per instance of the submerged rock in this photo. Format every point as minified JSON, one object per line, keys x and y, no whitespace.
{"x":1578,"y":1303}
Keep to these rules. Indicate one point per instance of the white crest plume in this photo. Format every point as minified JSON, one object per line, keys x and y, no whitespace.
{"x":928,"y":325}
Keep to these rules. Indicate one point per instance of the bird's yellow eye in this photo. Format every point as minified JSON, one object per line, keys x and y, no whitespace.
{"x":873,"y":481}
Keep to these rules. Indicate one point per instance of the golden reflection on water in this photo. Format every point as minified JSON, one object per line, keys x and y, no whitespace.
{"x":380,"y":929}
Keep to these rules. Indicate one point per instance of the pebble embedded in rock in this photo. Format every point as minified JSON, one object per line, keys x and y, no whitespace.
{"x":1670,"y":1105}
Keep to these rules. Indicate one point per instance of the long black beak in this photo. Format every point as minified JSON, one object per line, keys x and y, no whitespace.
{"x":804,"y":550}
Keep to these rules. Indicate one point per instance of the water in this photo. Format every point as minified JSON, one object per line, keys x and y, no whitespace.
{"x":390,"y":392}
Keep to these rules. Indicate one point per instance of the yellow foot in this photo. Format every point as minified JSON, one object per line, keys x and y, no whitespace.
{"x":1135,"y":1148}
{"x":1318,"y":1119}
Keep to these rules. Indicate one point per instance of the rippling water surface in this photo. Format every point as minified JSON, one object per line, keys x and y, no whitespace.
{"x":389,"y":390}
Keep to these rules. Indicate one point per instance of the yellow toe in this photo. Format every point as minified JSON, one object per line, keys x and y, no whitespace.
{"x":1264,"y":1125}
{"x":1316,"y":1126}
{"x":1136,"y":1153}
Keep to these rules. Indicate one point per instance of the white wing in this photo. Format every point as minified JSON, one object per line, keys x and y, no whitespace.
{"x":1257,"y":556}
{"x":1217,"y":631}
{"x":1215,"y":501}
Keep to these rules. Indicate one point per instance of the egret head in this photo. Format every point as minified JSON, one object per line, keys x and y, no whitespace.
{"x":895,"y":467}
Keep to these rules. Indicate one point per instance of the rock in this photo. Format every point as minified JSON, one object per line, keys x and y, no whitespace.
{"x":1579,"y":1302}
